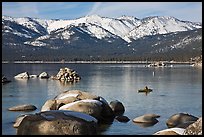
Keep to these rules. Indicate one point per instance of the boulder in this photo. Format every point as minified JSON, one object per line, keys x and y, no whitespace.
{"x":195,"y":128}
{"x":58,"y":122}
{"x":5,"y":80}
{"x":50,"y":104}
{"x":88,"y":106}
{"x":67,"y":74}
{"x":82,"y":101}
{"x":180,"y":119}
{"x":24,"y":75}
{"x":33,"y":76}
{"x":19,"y":120}
{"x":147,"y":118}
{"x":43,"y":75}
{"x":117,"y":107}
{"x":24,"y":107}
{"x":170,"y":131}
{"x":77,"y":94}
{"x":122,"y":118}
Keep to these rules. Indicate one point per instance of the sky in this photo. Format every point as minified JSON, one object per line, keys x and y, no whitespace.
{"x":186,"y":11}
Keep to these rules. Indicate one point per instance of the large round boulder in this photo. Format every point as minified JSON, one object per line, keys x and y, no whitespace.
{"x":88,"y":106}
{"x":58,"y":122}
{"x":117,"y":107}
{"x":77,"y":94}
{"x":195,"y":128}
{"x":81,"y":101}
{"x":24,"y":107}
{"x":179,"y":119}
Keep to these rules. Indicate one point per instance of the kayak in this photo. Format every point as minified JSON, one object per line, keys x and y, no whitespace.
{"x":145,"y":90}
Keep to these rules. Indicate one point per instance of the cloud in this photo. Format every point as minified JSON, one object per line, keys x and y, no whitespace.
{"x":140,"y":10}
{"x":95,"y":7}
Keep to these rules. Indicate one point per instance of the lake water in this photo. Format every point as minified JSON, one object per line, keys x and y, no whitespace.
{"x":175,"y":89}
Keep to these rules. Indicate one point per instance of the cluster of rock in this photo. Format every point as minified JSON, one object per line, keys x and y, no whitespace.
{"x":64,"y":74}
{"x":67,"y":75}
{"x":72,"y":112}
{"x":26,"y":75}
{"x":76,"y":112}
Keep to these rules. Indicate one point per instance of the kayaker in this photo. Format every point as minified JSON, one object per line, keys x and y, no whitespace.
{"x":146,"y":87}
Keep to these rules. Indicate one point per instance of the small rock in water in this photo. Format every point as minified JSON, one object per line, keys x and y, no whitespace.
{"x":24,"y":75}
{"x":25,"y":107}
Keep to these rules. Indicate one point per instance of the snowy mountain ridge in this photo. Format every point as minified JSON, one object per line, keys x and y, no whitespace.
{"x":127,"y":28}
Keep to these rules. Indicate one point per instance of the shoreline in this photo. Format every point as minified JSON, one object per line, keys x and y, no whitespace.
{"x":94,"y":62}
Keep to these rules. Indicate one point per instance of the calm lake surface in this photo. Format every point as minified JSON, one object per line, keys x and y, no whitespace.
{"x":175,"y":89}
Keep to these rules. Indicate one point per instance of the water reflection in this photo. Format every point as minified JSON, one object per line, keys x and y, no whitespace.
{"x":173,"y":89}
{"x":144,"y":125}
{"x":21,"y":81}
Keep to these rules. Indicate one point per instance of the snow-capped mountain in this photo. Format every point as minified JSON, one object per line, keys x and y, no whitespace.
{"x":160,"y":25}
{"x":112,"y":36}
{"x":126,"y":27}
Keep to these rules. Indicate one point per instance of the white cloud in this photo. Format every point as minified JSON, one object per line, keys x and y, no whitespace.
{"x":140,"y":10}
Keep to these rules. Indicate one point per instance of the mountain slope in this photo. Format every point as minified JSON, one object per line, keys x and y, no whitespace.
{"x":99,"y":38}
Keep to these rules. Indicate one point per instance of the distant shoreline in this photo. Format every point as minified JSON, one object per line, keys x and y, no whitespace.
{"x":93,"y":62}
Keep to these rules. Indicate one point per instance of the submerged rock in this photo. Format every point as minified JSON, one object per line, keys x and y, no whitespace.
{"x":58,"y":122}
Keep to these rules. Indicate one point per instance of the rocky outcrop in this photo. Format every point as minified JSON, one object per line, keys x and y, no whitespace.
{"x":67,"y":75}
{"x":24,"y":107}
{"x":24,"y":75}
{"x":81,"y":101}
{"x":195,"y":128}
{"x":58,"y":122}
{"x":177,"y":120}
